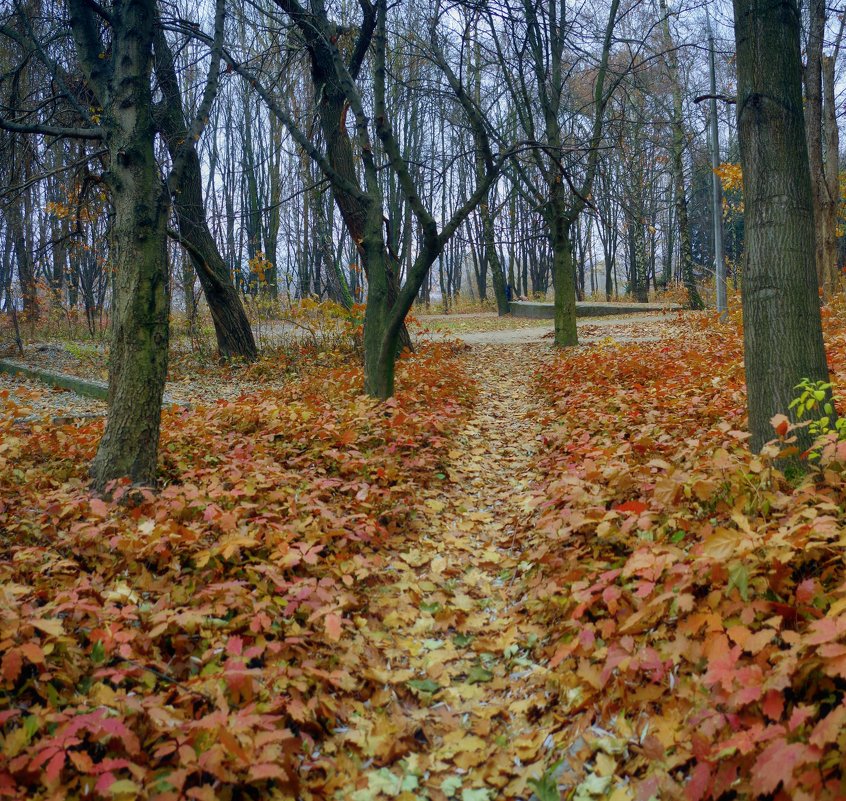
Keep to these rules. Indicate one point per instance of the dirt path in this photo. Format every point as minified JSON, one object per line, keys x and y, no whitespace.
{"x":457,"y":717}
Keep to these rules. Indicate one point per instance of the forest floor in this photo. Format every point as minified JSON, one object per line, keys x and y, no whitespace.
{"x":533,"y":574}
{"x":193,"y":382}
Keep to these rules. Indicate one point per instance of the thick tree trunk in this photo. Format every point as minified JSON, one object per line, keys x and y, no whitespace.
{"x":563,"y":277}
{"x":379,"y":356}
{"x":640,"y":271}
{"x":141,"y":302}
{"x":781,"y":311}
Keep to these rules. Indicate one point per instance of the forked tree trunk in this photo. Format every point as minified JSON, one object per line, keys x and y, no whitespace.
{"x":781,"y":311}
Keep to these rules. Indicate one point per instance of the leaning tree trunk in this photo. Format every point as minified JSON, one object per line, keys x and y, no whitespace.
{"x":231,"y":326}
{"x":781,"y":311}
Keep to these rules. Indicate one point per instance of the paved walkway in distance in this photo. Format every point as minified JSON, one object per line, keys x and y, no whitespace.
{"x":622,"y":328}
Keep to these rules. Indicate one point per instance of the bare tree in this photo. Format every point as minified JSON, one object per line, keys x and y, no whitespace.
{"x":538,"y":63}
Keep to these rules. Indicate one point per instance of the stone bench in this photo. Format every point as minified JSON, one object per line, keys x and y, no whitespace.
{"x":546,"y":311}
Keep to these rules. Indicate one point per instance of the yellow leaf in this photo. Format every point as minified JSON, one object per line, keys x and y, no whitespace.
{"x":52,"y":626}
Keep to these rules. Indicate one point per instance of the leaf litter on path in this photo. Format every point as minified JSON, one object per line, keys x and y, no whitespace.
{"x":448,"y":631}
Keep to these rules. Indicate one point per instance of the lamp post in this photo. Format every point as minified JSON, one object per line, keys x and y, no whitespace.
{"x":716,"y":194}
{"x":716,"y":189}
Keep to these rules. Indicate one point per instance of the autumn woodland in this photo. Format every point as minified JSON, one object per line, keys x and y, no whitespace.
{"x":434,"y":400}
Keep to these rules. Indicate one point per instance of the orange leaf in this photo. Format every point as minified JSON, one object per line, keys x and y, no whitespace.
{"x":332,"y":622}
{"x":638,"y":507}
{"x":12,"y":665}
{"x":32,"y":651}
{"x":780,"y":423}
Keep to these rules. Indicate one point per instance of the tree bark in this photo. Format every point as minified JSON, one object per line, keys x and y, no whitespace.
{"x":813,"y":124}
{"x":563,"y":276}
{"x":639,"y":269}
{"x":141,"y":300}
{"x":830,"y":201}
{"x":494,"y":263}
{"x":232,"y":328}
{"x":781,"y":311}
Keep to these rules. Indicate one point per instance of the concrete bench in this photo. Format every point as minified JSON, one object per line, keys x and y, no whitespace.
{"x":546,"y":311}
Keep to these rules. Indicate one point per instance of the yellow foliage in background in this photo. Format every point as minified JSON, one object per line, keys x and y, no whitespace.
{"x":731,"y":179}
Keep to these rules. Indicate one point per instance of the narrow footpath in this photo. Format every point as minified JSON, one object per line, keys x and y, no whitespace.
{"x":457,"y":716}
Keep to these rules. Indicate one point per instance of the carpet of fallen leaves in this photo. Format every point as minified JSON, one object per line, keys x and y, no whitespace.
{"x":693,"y":598}
{"x":532,"y":575}
{"x":189,"y":644}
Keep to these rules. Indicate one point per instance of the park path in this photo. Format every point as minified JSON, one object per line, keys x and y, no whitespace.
{"x":461,"y":713}
{"x":644,"y":327}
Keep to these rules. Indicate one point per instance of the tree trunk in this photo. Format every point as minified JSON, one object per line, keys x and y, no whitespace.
{"x":497,"y":275}
{"x":781,"y":311}
{"x":232,"y":328}
{"x":141,"y":301}
{"x":378,"y":359}
{"x":563,"y":277}
{"x":488,"y":233}
{"x":639,"y":269}
{"x":813,"y":124}
{"x":831,"y":192}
